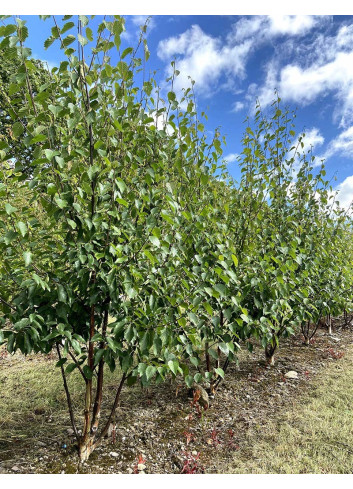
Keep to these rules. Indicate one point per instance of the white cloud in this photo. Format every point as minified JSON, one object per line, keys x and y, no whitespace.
{"x":345,"y":192}
{"x":342,"y":145}
{"x":306,"y":84}
{"x":312,"y":139}
{"x":344,"y":37}
{"x":238,"y":106}
{"x":140,"y":20}
{"x":231,"y":157}
{"x":206,"y":59}
{"x":203,"y":58}
{"x":293,"y":25}
{"x":323,"y":68}
{"x":267,"y":26}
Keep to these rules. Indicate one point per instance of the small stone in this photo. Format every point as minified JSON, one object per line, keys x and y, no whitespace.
{"x":129,"y":470}
{"x":113,"y":454}
{"x":141,"y":467}
{"x":291,"y":374}
{"x":70,"y":431}
{"x":194,"y":452}
{"x":15,"y":468}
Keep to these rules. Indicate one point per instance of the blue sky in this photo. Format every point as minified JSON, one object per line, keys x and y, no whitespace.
{"x":236,"y":59}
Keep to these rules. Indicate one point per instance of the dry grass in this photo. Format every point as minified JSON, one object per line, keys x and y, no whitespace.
{"x":313,"y":436}
{"x":32,"y":399}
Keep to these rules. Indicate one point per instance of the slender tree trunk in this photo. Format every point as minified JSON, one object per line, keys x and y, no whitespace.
{"x":85,"y":444}
{"x":68,"y":397}
{"x":305,"y":332}
{"x":218,"y":363}
{"x":270,"y":353}
{"x":99,"y":392}
{"x":207,"y":353}
{"x":329,"y":323}
{"x":112,"y":413}
{"x":85,"y":448}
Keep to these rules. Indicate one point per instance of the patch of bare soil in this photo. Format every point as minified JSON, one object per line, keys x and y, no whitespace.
{"x":161,"y":429}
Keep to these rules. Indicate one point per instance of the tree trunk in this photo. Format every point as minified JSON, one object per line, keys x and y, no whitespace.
{"x":207,"y":354}
{"x":329,"y":322}
{"x":270,"y":354}
{"x":271,"y":360}
{"x":85,"y":447}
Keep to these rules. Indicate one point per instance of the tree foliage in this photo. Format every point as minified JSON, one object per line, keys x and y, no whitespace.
{"x":125,"y":243}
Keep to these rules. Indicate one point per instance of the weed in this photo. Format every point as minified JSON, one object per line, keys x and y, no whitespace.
{"x":336,"y":355}
{"x":191,"y":464}
{"x":189,"y":436}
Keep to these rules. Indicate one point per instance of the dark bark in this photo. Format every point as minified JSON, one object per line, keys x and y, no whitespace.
{"x":68,"y":397}
{"x":99,"y":391}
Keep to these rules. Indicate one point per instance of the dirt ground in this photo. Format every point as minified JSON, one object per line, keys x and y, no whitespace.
{"x":159,"y":427}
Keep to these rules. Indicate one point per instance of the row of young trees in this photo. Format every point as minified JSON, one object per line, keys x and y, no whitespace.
{"x":124,"y":242}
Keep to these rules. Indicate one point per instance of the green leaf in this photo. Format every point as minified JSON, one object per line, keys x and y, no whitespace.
{"x":154,"y":240}
{"x":89,"y":34}
{"x":83,"y":19}
{"x":174,"y":366}
{"x":82,"y":40}
{"x":208,"y":308}
{"x":222,"y":289}
{"x":70,"y":368}
{"x":17,"y":129}
{"x":219,"y":372}
{"x":122,"y":201}
{"x":51,"y":189}
{"x":88,"y":372}
{"x":61,"y":362}
{"x":224,"y":348}
{"x":27,"y":256}
{"x":49,"y":153}
{"x":61,"y":203}
{"x":22,"y":228}
{"x":48,"y":42}
{"x":150,"y":372}
{"x":126,"y":52}
{"x":72,"y":223}
{"x":66,"y":27}
{"x":10,"y":209}
{"x":68,"y":40}
{"x":151,"y":257}
{"x":10,"y":236}
{"x":55,"y":109}
{"x":62,"y":297}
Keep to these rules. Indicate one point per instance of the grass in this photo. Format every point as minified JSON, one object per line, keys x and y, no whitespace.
{"x":314,"y":435}
{"x":33,"y":401}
